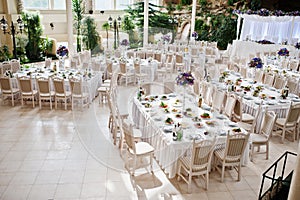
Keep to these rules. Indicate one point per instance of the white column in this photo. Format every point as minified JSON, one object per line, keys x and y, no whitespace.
{"x":193,"y":17}
{"x":294,"y":192}
{"x":70,"y":26}
{"x":146,"y":22}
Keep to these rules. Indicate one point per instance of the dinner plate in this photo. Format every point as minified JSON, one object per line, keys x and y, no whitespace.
{"x":232,"y":124}
{"x":220,"y":117}
{"x":248,"y":97}
{"x":168,"y":129}
{"x":195,"y":137}
{"x":296,"y":100}
{"x":205,"y":107}
{"x":177,"y":104}
{"x":270,"y":102}
{"x":283,"y":101}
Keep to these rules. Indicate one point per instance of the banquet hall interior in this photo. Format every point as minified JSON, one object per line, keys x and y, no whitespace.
{"x":152,"y":99}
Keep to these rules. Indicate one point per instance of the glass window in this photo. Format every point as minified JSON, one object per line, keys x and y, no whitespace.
{"x":36,"y":4}
{"x":155,"y":2}
{"x":123,"y":4}
{"x":59,"y":4}
{"x":104,"y":5}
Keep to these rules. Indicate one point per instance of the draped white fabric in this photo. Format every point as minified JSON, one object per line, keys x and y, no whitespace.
{"x":272,"y":28}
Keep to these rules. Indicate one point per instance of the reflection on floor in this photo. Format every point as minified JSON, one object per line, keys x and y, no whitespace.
{"x":58,"y":154}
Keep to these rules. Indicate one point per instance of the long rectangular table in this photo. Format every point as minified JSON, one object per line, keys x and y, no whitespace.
{"x":155,"y":130}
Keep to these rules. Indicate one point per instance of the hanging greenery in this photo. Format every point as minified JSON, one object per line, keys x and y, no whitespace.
{"x":106,"y":26}
{"x":91,"y":38}
{"x":78,"y":11}
{"x":34,"y":31}
{"x":128,"y":27}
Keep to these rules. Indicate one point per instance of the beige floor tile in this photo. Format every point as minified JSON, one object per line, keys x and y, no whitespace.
{"x":46,"y":191}
{"x":5,"y":178}
{"x":16,"y":192}
{"x":71,"y":191}
{"x":244,"y":194}
{"x":48,"y":177}
{"x":23,"y":178}
{"x":219,"y":195}
{"x":93,"y":190}
{"x":31,"y":165}
{"x":71,"y":176}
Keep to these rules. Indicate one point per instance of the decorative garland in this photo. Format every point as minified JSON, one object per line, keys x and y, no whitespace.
{"x":264,"y":12}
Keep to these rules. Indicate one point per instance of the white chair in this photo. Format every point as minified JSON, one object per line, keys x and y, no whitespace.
{"x":125,"y":73}
{"x":229,"y":105}
{"x":288,"y":124}
{"x":198,"y":163}
{"x":78,"y":93}
{"x":293,"y":84}
{"x":60,"y":91}
{"x":45,"y":92}
{"x":239,"y":114}
{"x":294,"y":64}
{"x":269,"y":79}
{"x":15,"y":65}
{"x":139,"y":75}
{"x":232,"y":154}
{"x":137,"y":151}
{"x":279,"y":82}
{"x":259,"y":75}
{"x":218,"y":100}
{"x":48,"y":62}
{"x":6,"y":66}
{"x":179,"y":62}
{"x":262,"y":137}
{"x":7,"y":90}
{"x":27,"y":91}
{"x":169,"y":87}
{"x":250,"y":126}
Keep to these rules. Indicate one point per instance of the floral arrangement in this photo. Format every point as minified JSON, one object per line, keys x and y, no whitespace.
{"x":256,"y":62}
{"x":195,"y":35}
{"x":62,"y":51}
{"x":265,"y":12}
{"x":265,"y":42}
{"x":166,"y":38}
{"x":185,"y":78}
{"x":297,"y":45}
{"x":125,"y":42}
{"x":283,"y":52}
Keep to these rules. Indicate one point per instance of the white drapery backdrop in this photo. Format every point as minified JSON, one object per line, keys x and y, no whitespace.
{"x":275,"y":29}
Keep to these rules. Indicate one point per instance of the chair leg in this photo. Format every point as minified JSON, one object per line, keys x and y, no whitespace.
{"x":190,"y":182}
{"x":33,"y":101}
{"x":12,"y":100}
{"x":267,"y":151}
{"x":207,"y":179}
{"x":223,"y":171}
{"x":239,"y":172}
{"x":151,"y":162}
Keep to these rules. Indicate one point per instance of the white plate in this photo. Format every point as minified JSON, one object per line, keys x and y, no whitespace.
{"x":195,"y":136}
{"x":270,"y":102}
{"x":220,"y":117}
{"x":283,"y":101}
{"x":296,"y":100}
{"x":177,"y":104}
{"x":248,"y":97}
{"x":232,"y":124}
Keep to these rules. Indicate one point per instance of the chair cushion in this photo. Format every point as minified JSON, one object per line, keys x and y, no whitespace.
{"x":143,"y":148}
{"x":102,"y":89}
{"x":281,"y":122}
{"x":245,"y":126}
{"x":247,"y":117}
{"x":186,"y":162}
{"x":258,"y":138}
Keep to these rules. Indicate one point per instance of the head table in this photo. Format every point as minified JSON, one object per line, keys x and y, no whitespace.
{"x":153,"y":114}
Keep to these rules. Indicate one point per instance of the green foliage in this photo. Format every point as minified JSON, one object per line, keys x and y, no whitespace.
{"x":255,"y":4}
{"x":128,"y":26}
{"x":46,"y":46}
{"x":226,"y":32}
{"x":179,"y":7}
{"x":4,"y":53}
{"x":186,"y":2}
{"x":78,"y":11}
{"x":202,"y":29}
{"x":34,"y":31}
{"x":203,"y":3}
{"x":106,"y":27}
{"x":91,"y":37}
{"x":170,"y":8}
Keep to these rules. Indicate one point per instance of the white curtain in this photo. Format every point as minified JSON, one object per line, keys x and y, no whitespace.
{"x":272,"y":28}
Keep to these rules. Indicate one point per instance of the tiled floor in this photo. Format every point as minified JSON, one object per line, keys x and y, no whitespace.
{"x":58,"y":154}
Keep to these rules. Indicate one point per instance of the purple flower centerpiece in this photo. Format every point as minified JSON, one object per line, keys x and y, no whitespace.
{"x":297,"y":45}
{"x":166,"y":38}
{"x":256,"y":63}
{"x":62,"y":51}
{"x":283,"y":52}
{"x":185,"y":78}
{"x":195,"y":35}
{"x":125,"y":42}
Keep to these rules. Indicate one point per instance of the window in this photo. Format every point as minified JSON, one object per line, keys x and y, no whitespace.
{"x":36,"y":4}
{"x":59,"y":4}
{"x":45,"y":4}
{"x":104,"y":5}
{"x":122,"y":4}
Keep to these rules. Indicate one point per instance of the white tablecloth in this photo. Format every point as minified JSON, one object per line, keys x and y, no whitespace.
{"x":167,"y":152}
{"x":243,"y":49}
